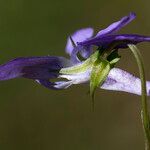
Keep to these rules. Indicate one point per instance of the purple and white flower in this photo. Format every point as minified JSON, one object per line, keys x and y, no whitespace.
{"x":76,"y":71}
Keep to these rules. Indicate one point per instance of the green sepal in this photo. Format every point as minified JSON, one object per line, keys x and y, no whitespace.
{"x":114,"y":61}
{"x":113,"y":58}
{"x":79,"y":68}
{"x":99,"y":74}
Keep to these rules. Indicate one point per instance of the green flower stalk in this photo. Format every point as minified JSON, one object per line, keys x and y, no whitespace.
{"x":144,"y":107}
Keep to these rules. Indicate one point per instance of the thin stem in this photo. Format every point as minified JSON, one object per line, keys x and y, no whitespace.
{"x":144,"y":107}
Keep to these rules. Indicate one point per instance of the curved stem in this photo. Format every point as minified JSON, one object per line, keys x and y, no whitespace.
{"x":144,"y":108}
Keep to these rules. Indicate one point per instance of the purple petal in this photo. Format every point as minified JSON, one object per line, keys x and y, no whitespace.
{"x":47,"y":84}
{"x":106,"y":40}
{"x":116,"y":26}
{"x":78,"y":36}
{"x":33,"y":67}
{"x":119,"y":80}
{"x":85,"y":52}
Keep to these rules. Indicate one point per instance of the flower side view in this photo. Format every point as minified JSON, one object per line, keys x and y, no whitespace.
{"x":89,"y":66}
{"x":77,"y":71}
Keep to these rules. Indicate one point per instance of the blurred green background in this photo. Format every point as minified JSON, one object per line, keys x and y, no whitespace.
{"x":35,"y":118}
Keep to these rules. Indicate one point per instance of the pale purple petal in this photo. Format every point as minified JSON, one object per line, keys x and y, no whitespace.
{"x":84,"y":51}
{"x":116,"y":26}
{"x":119,"y":80}
{"x":78,"y":36}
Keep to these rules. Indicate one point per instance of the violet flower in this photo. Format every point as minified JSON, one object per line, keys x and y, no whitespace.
{"x":76,"y":71}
